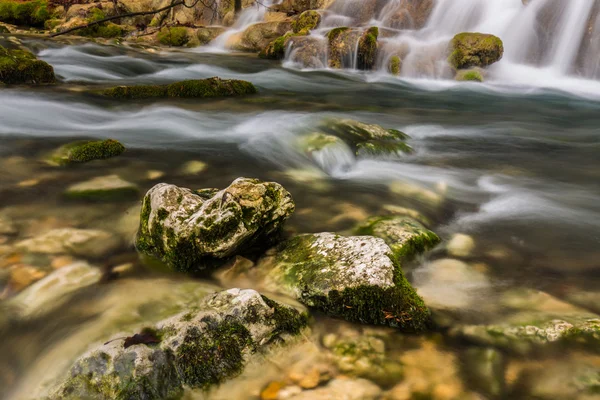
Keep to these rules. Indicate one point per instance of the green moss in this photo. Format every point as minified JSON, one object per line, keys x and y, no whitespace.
{"x":20,"y":66}
{"x":3,"y":29}
{"x":211,"y":87}
{"x":382,"y":147}
{"x":173,"y":36}
{"x":276,"y":49}
{"x":306,"y":22}
{"x":85,"y":151}
{"x":27,"y":13}
{"x":286,"y":319}
{"x":335,"y":32}
{"x":469,"y":75}
{"x":104,"y":30}
{"x":367,"y":49}
{"x":210,"y":356}
{"x":395,"y":65}
{"x":474,"y":50}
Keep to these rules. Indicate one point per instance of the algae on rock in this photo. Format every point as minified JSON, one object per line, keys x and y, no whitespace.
{"x":21,"y":66}
{"x":85,"y":151}
{"x":187,"y":231}
{"x":469,"y":49}
{"x":357,"y":278}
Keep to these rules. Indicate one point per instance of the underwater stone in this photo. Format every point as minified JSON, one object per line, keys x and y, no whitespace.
{"x":85,"y":151}
{"x":109,"y":188}
{"x":474,"y":50}
{"x":199,"y":348}
{"x":88,"y":243}
{"x":21,"y":66}
{"x":405,"y":236}
{"x":184,"y":229}
{"x":357,"y":278}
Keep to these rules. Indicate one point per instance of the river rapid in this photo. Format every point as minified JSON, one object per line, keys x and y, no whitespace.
{"x":515,"y":167}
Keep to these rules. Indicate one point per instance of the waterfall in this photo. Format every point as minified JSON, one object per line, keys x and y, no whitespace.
{"x":543,"y":39}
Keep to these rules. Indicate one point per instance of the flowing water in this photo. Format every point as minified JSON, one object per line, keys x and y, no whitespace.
{"x":513,"y":163}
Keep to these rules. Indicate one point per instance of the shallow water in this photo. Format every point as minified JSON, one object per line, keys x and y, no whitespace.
{"x":516,"y":167}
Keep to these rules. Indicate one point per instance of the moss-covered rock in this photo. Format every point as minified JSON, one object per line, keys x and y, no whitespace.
{"x":258,"y":36}
{"x":85,"y":151}
{"x":405,"y":236}
{"x":395,"y":65}
{"x":474,"y":50}
{"x":107,"y":30}
{"x":173,"y":36}
{"x":308,"y":51}
{"x":27,"y":13}
{"x":472,"y":75}
{"x":103,"y":188}
{"x":367,"y":49}
{"x":20,"y":66}
{"x":306,"y":22}
{"x":207,"y":34}
{"x":357,"y":278}
{"x":187,"y":231}
{"x":198,"y":348}
{"x":342,"y":46}
{"x":367,"y":139}
{"x":4,"y":29}
{"x":198,"y":88}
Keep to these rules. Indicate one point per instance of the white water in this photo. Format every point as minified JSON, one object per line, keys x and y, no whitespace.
{"x":545,"y":41}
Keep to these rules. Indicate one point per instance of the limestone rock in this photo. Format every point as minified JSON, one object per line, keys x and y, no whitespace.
{"x":183,"y":229}
{"x":110,"y":187}
{"x":356,"y":278}
{"x":460,"y":245}
{"x":257,"y":36}
{"x":199,"y":348}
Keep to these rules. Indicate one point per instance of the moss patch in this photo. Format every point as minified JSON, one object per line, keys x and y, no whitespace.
{"x":306,"y":22}
{"x":105,"y":30}
{"x":27,"y":13}
{"x":367,"y":49}
{"x":474,"y":50}
{"x":395,"y":65}
{"x":211,"y":87}
{"x":85,"y":151}
{"x":469,"y":75}
{"x":20,"y":66}
{"x":173,"y":36}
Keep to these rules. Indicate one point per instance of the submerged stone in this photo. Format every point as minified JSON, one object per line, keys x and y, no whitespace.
{"x":357,"y":278}
{"x":21,"y":66}
{"x":85,"y":151}
{"x":110,"y":187}
{"x":199,"y":88}
{"x":405,"y":236}
{"x":88,"y":243}
{"x":186,"y":230}
{"x":474,"y":50}
{"x":199,"y":348}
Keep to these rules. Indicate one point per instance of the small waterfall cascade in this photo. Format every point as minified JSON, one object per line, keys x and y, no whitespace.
{"x":543,"y":39}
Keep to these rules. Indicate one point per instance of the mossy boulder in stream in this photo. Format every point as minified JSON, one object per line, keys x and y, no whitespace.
{"x":474,"y":50}
{"x":367,"y":49}
{"x":24,"y":13}
{"x":306,"y":22}
{"x":173,"y":36}
{"x":85,"y":151}
{"x":103,"y":30}
{"x":198,"y":88}
{"x":367,"y":139}
{"x":199,"y":348}
{"x":187,"y":230}
{"x":357,"y":278}
{"x":405,"y":236}
{"x":21,"y":66}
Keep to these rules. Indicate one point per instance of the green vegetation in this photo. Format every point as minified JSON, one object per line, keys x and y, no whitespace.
{"x":173,"y":36}
{"x":367,"y":49}
{"x":395,"y":65}
{"x":85,"y":151}
{"x":20,"y":66}
{"x":104,"y":30}
{"x":469,"y":75}
{"x":306,"y":22}
{"x":200,"y":88}
{"x":474,"y":50}
{"x":27,"y":13}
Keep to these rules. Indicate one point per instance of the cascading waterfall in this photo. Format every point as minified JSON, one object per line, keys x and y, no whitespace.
{"x":544,"y":40}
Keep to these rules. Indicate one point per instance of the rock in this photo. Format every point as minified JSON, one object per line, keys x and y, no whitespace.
{"x":292,"y":7}
{"x":460,"y":245}
{"x":406,"y":237}
{"x":49,"y":291}
{"x":173,"y":36}
{"x":26,"y":13}
{"x":193,"y":167}
{"x":473,"y":75}
{"x":85,"y":151}
{"x":110,"y":187}
{"x":20,"y":66}
{"x":367,"y":139}
{"x":306,"y":22}
{"x":367,"y":49}
{"x":7,"y":227}
{"x":392,"y":209}
{"x":328,"y":151}
{"x":88,"y":243}
{"x":340,"y":388}
{"x":258,"y":36}
{"x":102,"y":30}
{"x":342,"y":45}
{"x":199,"y":88}
{"x":433,"y":200}
{"x":207,"y":34}
{"x":184,"y":229}
{"x":537,"y":320}
{"x":307,"y":51}
{"x":395,"y":65}
{"x":154,"y":174}
{"x":21,"y":276}
{"x":199,"y":348}
{"x":4,"y":29}
{"x":474,"y":50}
{"x":409,"y":14}
{"x":356,"y":278}
{"x":485,"y":369}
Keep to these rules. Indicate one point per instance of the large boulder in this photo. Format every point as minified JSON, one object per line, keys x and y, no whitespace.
{"x":257,"y":36}
{"x":199,"y":348}
{"x":308,"y":51}
{"x":405,"y":236}
{"x":184,"y":229}
{"x":20,"y":66}
{"x":342,"y":46}
{"x":409,"y":14}
{"x":356,"y":278}
{"x":469,"y":49}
